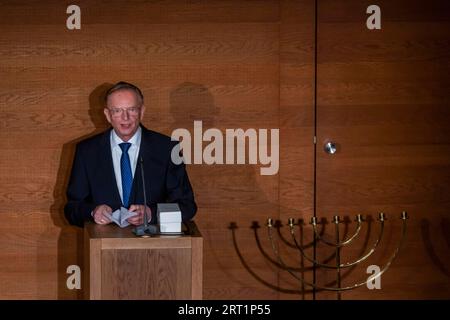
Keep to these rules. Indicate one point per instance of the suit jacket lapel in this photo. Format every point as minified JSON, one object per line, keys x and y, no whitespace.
{"x":137,"y":192}
{"x":106,"y":162}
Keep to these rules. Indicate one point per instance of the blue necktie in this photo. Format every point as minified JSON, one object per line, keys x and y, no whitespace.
{"x":125,"y":170}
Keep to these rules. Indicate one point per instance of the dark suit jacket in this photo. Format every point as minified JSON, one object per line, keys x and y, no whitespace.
{"x":92,"y":181}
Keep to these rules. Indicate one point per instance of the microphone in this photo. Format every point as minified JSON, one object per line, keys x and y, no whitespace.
{"x":144,"y":229}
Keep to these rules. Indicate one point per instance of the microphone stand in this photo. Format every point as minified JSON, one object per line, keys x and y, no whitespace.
{"x":144,"y":229}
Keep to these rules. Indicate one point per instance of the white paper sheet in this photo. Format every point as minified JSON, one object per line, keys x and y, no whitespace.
{"x":121,"y":215}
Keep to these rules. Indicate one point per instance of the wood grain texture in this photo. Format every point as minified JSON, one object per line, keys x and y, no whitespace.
{"x":197,"y":269}
{"x":383,"y":97}
{"x":143,"y":274}
{"x":141,"y":12}
{"x":215,"y":61}
{"x":296,"y":121}
{"x":94,"y":249}
{"x":122,"y":266}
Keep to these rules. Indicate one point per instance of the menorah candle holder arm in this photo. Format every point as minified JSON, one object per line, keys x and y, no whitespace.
{"x":280,"y":260}
{"x":388,"y":263}
{"x":274,"y":262}
{"x":339,"y":288}
{"x":341,"y":265}
{"x":292,"y":245}
{"x":317,"y":235}
{"x":253,"y":273}
{"x":302,"y":251}
{"x":302,"y":280}
{"x":372,"y":249}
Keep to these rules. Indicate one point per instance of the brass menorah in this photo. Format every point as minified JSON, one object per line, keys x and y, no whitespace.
{"x":338,"y":246}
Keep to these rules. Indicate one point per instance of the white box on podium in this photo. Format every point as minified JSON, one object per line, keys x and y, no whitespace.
{"x":169,"y":218}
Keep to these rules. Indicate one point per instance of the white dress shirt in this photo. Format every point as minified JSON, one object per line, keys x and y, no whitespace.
{"x":133,"y":153}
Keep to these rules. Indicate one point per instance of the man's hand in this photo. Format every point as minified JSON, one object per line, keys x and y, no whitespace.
{"x":139,"y":218}
{"x":101,"y":214}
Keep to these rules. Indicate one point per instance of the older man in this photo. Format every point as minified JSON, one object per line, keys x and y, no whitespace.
{"x":106,"y":176}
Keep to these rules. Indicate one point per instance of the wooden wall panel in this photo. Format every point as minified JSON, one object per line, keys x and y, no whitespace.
{"x":383,"y":98}
{"x":215,"y":61}
{"x":233,"y":64}
{"x":297,"y":132}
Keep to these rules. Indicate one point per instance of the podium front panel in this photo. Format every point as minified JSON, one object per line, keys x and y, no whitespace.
{"x":122,"y":266}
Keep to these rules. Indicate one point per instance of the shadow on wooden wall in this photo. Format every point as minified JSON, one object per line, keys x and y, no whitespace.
{"x":70,"y":241}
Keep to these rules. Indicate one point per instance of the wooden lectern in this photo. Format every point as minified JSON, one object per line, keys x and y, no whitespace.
{"x":120,"y":265}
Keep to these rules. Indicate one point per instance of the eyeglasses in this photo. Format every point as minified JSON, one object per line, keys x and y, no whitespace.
{"x":117,"y":112}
